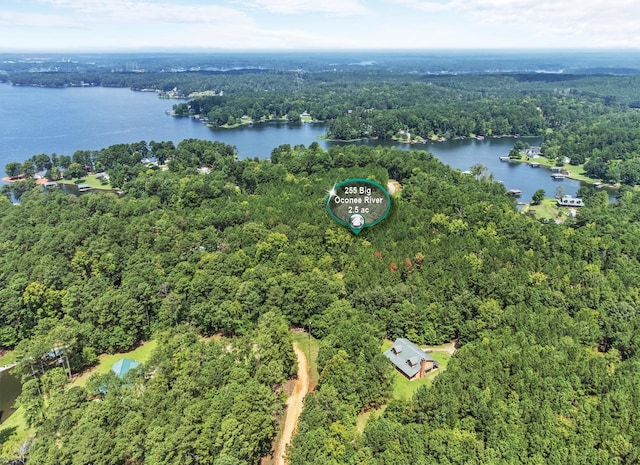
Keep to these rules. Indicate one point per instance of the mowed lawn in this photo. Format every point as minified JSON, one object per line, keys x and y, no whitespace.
{"x":89,"y":180}
{"x":140,"y":354}
{"x":403,"y":389}
{"x":8,"y":358}
{"x":15,"y":429}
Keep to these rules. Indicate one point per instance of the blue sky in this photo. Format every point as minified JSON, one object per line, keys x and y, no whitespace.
{"x":173,"y":25}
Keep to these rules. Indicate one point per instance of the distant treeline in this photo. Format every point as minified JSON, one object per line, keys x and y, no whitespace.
{"x":588,"y":119}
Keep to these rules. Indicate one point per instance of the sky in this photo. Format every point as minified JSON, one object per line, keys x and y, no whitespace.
{"x":199,"y":25}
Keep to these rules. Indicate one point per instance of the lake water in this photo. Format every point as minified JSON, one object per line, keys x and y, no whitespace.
{"x":9,"y":390}
{"x":37,"y":120}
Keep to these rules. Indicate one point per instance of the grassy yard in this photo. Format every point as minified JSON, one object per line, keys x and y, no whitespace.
{"x":547,"y":209}
{"x":90,"y":180}
{"x":302,"y":339}
{"x":403,"y":389}
{"x":14,"y":430}
{"x":13,"y":433}
{"x":140,"y":354}
{"x":8,"y":358}
{"x":575,"y":172}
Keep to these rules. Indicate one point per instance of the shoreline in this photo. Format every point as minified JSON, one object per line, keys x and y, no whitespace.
{"x":598,"y":184}
{"x":10,"y":179}
{"x":8,"y":367}
{"x":66,"y":182}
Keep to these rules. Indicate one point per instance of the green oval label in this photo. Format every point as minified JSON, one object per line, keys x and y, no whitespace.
{"x":358,"y":203}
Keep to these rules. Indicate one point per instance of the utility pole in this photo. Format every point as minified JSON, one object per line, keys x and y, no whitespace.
{"x":309,"y":341}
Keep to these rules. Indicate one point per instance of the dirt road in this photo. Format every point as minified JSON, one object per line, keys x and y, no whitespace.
{"x":449,"y":348}
{"x":294,"y":406}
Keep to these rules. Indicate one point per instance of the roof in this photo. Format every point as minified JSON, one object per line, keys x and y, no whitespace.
{"x":568,"y":201}
{"x":123,"y":366}
{"x":406,"y":356}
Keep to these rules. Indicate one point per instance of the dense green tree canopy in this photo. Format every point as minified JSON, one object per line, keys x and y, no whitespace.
{"x":545,"y":313}
{"x":218,"y":257}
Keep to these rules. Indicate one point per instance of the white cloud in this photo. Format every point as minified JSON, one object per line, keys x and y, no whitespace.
{"x":128,"y":11}
{"x":587,"y":23}
{"x":17,"y":19}
{"x":187,"y":23}
{"x":314,"y":24}
{"x":332,"y":7}
{"x":164,"y":24}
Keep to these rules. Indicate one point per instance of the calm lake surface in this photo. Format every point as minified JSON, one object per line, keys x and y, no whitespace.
{"x":9,"y":390}
{"x":37,"y":120}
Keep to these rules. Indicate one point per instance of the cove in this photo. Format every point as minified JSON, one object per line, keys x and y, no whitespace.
{"x":9,"y":390}
{"x":36,"y":120}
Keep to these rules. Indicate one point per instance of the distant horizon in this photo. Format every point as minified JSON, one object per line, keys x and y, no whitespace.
{"x":320,"y":50}
{"x":430,"y":61}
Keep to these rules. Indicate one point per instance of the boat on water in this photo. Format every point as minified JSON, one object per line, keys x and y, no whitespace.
{"x":505,"y":158}
{"x":558,"y":176}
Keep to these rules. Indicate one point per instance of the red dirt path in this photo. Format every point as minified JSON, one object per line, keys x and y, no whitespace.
{"x":294,"y":407}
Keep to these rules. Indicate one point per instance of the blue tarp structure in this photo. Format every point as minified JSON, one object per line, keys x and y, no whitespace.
{"x":122,"y":366}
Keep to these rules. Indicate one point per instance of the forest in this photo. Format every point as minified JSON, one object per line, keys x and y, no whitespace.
{"x":218,"y":266}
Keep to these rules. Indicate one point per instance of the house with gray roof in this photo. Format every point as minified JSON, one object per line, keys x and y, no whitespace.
{"x":409,"y":359}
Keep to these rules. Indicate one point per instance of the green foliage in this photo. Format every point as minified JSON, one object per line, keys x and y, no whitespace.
{"x":545,"y":312}
{"x":538,"y":197}
{"x":276,"y":361}
{"x":606,"y":143}
{"x":13,"y":169}
{"x":185,"y":404}
{"x":75,"y":171}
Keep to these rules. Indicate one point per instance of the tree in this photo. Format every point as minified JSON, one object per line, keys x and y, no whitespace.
{"x":28,"y":168}
{"x":480,"y":171}
{"x":13,"y":169}
{"x":30,"y":399}
{"x":515,"y":153}
{"x":75,"y":171}
{"x":538,"y":197}
{"x":276,"y":361}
